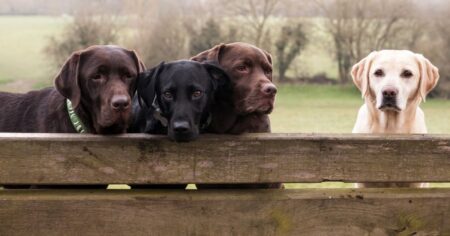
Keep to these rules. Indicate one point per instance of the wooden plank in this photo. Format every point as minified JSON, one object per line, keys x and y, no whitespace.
{"x":263,"y":212}
{"x":263,"y":158}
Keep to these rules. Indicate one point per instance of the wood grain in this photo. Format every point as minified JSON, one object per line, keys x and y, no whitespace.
{"x":262,"y":158}
{"x":257,"y":212}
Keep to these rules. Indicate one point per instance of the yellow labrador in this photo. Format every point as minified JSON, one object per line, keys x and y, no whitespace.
{"x":393,"y":83}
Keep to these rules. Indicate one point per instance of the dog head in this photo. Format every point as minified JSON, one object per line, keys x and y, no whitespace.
{"x":180,"y":93}
{"x":250,"y":70}
{"x":100,"y":81}
{"x":393,"y":79}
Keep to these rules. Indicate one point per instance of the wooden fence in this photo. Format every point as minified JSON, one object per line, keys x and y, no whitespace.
{"x":48,"y":159}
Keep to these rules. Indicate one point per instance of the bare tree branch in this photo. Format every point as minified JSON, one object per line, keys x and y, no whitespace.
{"x":358,"y":27}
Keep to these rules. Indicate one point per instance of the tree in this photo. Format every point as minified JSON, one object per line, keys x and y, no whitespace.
{"x":159,"y":30}
{"x":209,"y":35}
{"x":435,"y":45}
{"x":256,"y":14}
{"x":292,"y":40}
{"x":358,"y":27}
{"x":85,"y":30}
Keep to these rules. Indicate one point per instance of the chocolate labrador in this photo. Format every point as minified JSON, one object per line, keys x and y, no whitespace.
{"x":175,"y":99}
{"x":92,"y":94}
{"x":246,"y":107}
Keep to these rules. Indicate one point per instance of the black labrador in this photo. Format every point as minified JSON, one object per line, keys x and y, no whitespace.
{"x":175,"y":99}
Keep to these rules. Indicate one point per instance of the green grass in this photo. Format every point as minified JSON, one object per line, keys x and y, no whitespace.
{"x":333,"y":109}
{"x":24,"y":64}
{"x":314,"y":109}
{"x":317,"y":56}
{"x":299,"y":109}
{"x":23,"y":60}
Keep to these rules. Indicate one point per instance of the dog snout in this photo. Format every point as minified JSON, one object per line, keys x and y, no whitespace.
{"x":181,"y":127}
{"x":269,"y":89}
{"x":120,"y":102}
{"x":390,"y":92}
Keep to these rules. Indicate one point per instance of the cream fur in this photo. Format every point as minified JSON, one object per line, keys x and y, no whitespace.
{"x":409,"y":119}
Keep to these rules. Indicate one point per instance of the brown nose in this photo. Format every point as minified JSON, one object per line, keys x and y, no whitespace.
{"x":120,"y":102}
{"x":269,"y":89}
{"x":390,"y":92}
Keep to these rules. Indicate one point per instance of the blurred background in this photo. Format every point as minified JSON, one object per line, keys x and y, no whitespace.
{"x":314,"y":44}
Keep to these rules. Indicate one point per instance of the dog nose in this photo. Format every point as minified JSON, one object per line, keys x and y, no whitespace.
{"x":120,"y":102}
{"x":181,"y":126}
{"x":269,"y":89}
{"x":390,"y":92}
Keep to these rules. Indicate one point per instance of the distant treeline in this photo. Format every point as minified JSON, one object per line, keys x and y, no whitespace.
{"x":54,"y":7}
{"x":173,"y":29}
{"x":57,"y":7}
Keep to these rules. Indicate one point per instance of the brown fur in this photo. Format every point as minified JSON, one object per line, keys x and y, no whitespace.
{"x":245,"y":109}
{"x":45,"y":110}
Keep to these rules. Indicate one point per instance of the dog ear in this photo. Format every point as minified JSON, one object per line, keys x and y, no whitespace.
{"x":360,"y":73}
{"x":139,"y":64}
{"x":220,"y":81}
{"x":429,"y":76}
{"x":147,"y":83}
{"x":219,"y":75}
{"x":212,"y":54}
{"x":66,"y":82}
{"x":269,"y":56}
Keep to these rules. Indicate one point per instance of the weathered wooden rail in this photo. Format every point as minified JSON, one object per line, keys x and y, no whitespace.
{"x":69,"y":159}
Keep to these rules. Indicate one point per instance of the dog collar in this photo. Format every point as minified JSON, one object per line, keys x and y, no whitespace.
{"x":75,"y":119}
{"x":207,"y":123}
{"x":158,"y":115}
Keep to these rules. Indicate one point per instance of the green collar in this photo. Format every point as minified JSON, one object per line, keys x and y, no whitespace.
{"x":76,"y":122}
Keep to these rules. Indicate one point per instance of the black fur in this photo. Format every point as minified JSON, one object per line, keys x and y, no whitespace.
{"x":186,"y":114}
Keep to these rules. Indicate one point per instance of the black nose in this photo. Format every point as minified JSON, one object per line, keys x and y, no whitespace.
{"x":269,"y":89}
{"x":181,"y":126}
{"x":390,"y":93}
{"x":120,"y":102}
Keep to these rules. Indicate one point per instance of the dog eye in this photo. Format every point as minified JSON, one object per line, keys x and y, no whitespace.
{"x":197,"y":94}
{"x":168,"y":95}
{"x":97,"y":76}
{"x":406,"y":74}
{"x":128,"y":75}
{"x":379,"y":73}
{"x":241,"y":68}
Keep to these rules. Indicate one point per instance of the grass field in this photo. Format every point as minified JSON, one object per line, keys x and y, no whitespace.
{"x":312,"y":109}
{"x":333,"y":109}
{"x":299,"y":109}
{"x":23,"y":63}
